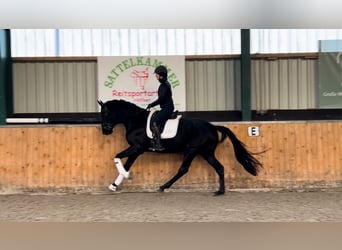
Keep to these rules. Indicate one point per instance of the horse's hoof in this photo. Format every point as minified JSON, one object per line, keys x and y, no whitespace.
{"x":161,"y":190}
{"x":112,"y":188}
{"x":217,"y":193}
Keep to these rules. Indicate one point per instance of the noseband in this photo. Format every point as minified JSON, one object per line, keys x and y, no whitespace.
{"x":107,"y":126}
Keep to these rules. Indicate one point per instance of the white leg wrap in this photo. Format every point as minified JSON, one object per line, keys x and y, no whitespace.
{"x":113,"y":187}
{"x":119,"y":179}
{"x":120,"y":167}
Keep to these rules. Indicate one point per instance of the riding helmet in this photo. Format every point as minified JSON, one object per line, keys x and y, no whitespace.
{"x":161,"y":70}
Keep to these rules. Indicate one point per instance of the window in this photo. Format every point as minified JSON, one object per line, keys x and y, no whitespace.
{"x":123,"y":42}
{"x":128,"y":42}
{"x":290,"y":40}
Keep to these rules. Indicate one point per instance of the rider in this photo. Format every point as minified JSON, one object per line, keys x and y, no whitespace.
{"x":166,"y":104}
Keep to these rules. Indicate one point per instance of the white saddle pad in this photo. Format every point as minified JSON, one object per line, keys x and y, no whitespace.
{"x":170,"y":129}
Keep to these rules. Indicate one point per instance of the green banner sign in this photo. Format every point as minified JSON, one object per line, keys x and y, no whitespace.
{"x":330,"y":80}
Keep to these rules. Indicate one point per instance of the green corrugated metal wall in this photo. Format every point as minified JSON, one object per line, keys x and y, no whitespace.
{"x":211,"y":85}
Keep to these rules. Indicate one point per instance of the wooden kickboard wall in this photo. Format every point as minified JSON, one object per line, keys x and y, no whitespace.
{"x":80,"y":158}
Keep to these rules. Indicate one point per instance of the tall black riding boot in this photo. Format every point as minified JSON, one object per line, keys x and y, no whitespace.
{"x":156,"y":143}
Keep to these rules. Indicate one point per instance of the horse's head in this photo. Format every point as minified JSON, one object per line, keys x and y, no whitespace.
{"x":119,"y":111}
{"x":107,"y":119}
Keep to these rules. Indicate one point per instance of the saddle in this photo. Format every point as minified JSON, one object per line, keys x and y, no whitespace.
{"x":170,"y":127}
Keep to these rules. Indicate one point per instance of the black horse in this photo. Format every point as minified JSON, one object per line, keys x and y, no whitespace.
{"x":194,"y":137}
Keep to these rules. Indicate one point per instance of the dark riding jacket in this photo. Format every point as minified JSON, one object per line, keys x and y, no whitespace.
{"x":165,"y":102}
{"x":164,"y":96}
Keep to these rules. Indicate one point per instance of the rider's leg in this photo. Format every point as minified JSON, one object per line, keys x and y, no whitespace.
{"x":157,"y":138}
{"x":156,"y":141}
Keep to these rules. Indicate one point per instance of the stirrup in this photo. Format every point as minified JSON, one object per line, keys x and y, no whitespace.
{"x":156,"y":148}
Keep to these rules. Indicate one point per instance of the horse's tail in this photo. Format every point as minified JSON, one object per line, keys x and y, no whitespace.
{"x":243,"y":156}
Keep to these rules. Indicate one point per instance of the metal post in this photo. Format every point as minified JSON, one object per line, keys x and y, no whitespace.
{"x":245,"y":75}
{"x":6,"y":89}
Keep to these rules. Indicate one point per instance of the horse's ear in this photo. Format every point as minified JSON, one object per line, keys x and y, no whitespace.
{"x":100,"y":102}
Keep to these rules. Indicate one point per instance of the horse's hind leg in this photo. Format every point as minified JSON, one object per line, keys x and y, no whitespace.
{"x":211,"y":159}
{"x":184,"y":168}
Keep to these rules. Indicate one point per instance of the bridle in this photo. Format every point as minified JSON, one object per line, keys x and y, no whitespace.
{"x":108,"y":126}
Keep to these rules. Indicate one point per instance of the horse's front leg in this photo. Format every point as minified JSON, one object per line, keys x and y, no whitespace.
{"x":184,"y":168}
{"x":132,"y":154}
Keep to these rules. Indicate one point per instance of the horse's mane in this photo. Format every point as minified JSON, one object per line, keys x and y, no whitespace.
{"x":123,"y":105}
